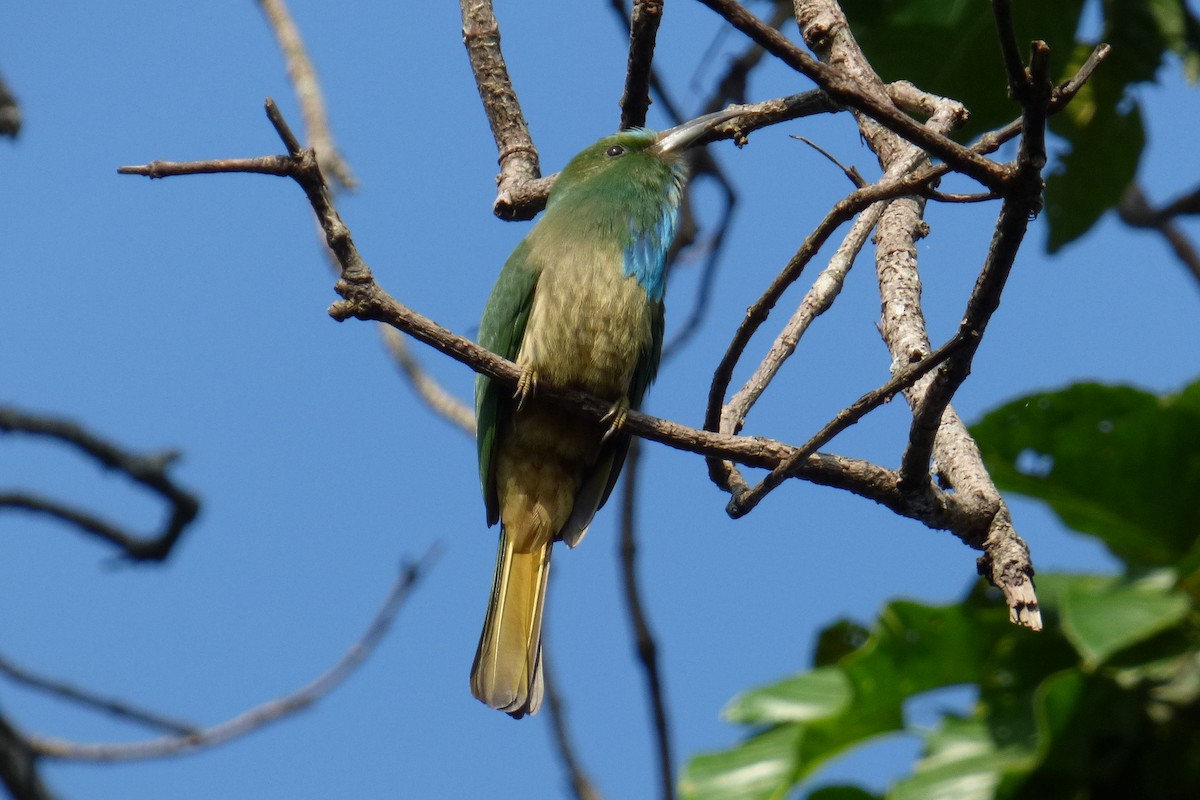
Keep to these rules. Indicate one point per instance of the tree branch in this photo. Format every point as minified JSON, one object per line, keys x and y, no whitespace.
{"x":308,"y":91}
{"x":645,"y":643}
{"x":846,"y":90}
{"x":581,"y":784}
{"x":518,"y":158}
{"x":643,"y":30}
{"x":438,"y":400}
{"x":19,"y":766}
{"x":259,"y":716}
{"x":10,"y":111}
{"x":108,"y":705}
{"x":1006,"y":556}
{"x":1135,"y":211}
{"x":148,"y":470}
{"x":364,"y":299}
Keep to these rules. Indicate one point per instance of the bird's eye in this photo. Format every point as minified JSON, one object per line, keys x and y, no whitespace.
{"x":615,"y":151}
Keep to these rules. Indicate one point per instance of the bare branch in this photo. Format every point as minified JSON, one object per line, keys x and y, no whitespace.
{"x":845,"y":89}
{"x":262,"y":715}
{"x":148,"y":470}
{"x":109,"y":705}
{"x":10,"y":111}
{"x":645,"y":643}
{"x":744,"y":501}
{"x":903,"y":324}
{"x":18,"y":766}
{"x":581,"y":784}
{"x":517,"y":156}
{"x":440,"y":401}
{"x":643,"y":30}
{"x":364,"y":299}
{"x":308,"y":92}
{"x":263,"y":165}
{"x":1135,"y":210}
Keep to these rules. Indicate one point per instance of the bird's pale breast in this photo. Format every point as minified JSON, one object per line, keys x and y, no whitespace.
{"x":589,"y":325}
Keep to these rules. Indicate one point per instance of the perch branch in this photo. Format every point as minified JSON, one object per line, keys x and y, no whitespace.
{"x":363,"y":298}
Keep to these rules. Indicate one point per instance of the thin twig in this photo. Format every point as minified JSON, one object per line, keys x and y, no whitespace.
{"x":148,"y":470}
{"x":744,"y":501}
{"x":84,"y":697}
{"x":517,"y":156}
{"x":308,"y":92}
{"x":440,"y":401}
{"x":732,"y":86}
{"x":843,"y":89}
{"x":644,"y":642}
{"x":581,"y":783}
{"x":262,"y":715}
{"x":643,"y":30}
{"x":1135,"y":210}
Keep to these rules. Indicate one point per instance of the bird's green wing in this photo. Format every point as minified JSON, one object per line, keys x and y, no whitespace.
{"x":501,"y":331}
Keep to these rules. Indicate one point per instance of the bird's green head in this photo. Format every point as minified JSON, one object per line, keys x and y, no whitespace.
{"x":625,"y":191}
{"x":638,"y":160}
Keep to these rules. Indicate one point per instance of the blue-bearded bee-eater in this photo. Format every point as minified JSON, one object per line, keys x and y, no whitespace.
{"x":578,"y":304}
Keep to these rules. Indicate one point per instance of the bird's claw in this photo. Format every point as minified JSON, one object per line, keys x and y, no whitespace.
{"x":615,"y":419}
{"x":526,"y":387}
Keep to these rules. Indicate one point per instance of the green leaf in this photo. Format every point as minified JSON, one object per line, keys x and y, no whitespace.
{"x":1111,"y":461}
{"x":1089,"y":180}
{"x":760,"y":767}
{"x":1103,"y":616}
{"x":821,"y":714}
{"x":961,"y":762}
{"x":821,"y":693}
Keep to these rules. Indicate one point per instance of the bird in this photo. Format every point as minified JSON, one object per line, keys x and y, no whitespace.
{"x":578,"y":304}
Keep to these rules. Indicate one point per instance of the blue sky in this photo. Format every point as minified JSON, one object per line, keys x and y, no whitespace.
{"x":190,"y":313}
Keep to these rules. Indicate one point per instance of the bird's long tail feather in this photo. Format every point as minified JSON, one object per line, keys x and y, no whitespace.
{"x":507,"y":673}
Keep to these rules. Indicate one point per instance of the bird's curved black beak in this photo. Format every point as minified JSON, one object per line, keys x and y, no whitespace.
{"x":675,"y":140}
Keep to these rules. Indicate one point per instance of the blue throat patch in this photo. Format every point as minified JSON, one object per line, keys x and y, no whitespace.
{"x":646,"y":253}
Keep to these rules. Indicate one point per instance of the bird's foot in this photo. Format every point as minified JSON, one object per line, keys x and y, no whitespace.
{"x":615,"y":419}
{"x":526,"y":387}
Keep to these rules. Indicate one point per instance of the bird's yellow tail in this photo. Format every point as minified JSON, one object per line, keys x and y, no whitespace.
{"x":507,"y":673}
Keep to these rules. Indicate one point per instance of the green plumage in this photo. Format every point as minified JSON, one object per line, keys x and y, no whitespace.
{"x":578,"y":304}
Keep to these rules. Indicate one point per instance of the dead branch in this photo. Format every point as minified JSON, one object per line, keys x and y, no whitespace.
{"x":149,"y":471}
{"x":259,"y":716}
{"x":303,"y":75}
